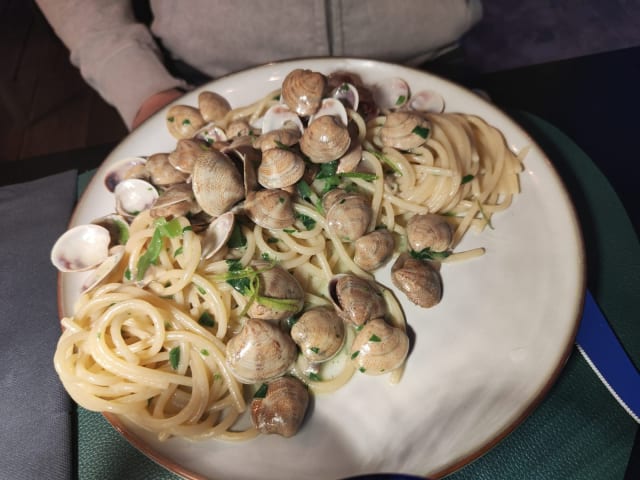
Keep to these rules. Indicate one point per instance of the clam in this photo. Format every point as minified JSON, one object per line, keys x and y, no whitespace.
{"x":332,"y":197}
{"x":283,"y":407}
{"x":183,"y":121}
{"x":161,"y":172}
{"x":243,"y":154}
{"x":325,"y":139}
{"x":260,"y":352}
{"x":133,"y":196}
{"x":280,"y":168}
{"x":404,"y":130}
{"x":175,"y":201}
{"x":279,"y":293}
{"x":348,"y":94}
{"x":81,"y":248}
{"x":102,"y":272}
{"x":379,"y":347}
{"x":374,"y":249}
{"x":211,"y":134}
{"x":238,"y":128}
{"x":418,"y":280}
{"x":117,"y":226}
{"x":272,"y":208}
{"x":349,"y":217}
{"x":429,"y":231}
{"x":129,"y":167}
{"x":351,"y":159}
{"x":332,"y":107}
{"x":391,"y":93}
{"x":302,"y":91}
{"x":217,"y":183}
{"x":217,"y":234}
{"x":355,"y":299}
{"x":319,"y":333}
{"x":280,"y":116}
{"x":187,"y":152}
{"x":277,"y":138}
{"x":213,"y":106}
{"x":427,"y":101}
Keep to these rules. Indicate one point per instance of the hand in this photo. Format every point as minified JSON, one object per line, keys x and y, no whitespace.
{"x":154,"y":103}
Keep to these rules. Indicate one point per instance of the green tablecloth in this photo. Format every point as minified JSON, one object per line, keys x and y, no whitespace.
{"x":579,"y":432}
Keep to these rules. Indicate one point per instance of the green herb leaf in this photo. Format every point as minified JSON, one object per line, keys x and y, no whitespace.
{"x":315,"y":377}
{"x":421,"y":131}
{"x":178,"y":251}
{"x":174,"y":357}
{"x":206,"y":320}
{"x":262,"y":391}
{"x":466,"y":179}
{"x":201,"y":290}
{"x":314,"y":349}
{"x":355,"y":354}
{"x":186,"y":121}
{"x":401,"y":99}
{"x":127,"y":274}
{"x":204,"y":352}
{"x":327,"y":169}
{"x":428,"y":254}
{"x":123,"y":232}
{"x":375,"y":338}
{"x":308,"y":222}
{"x":237,"y":238}
{"x":304,"y":191}
{"x":386,"y":160}
{"x":362,"y":369}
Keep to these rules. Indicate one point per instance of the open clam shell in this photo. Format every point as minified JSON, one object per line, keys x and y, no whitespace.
{"x":128,"y":167}
{"x":81,"y":248}
{"x":133,"y":196}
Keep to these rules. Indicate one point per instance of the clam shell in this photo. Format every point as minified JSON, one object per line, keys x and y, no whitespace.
{"x":348,"y":94}
{"x":133,"y":196}
{"x":271,"y":208}
{"x":280,"y":116}
{"x":374,"y":249}
{"x":429,"y":231}
{"x":276,"y":283}
{"x":427,"y":101}
{"x":81,"y":248}
{"x":302,"y":91}
{"x":217,"y":234}
{"x":175,"y":201}
{"x":128,"y":167}
{"x":280,"y":168}
{"x":260,"y":352}
{"x":183,"y":121}
{"x":418,"y":280}
{"x":319,"y":333}
{"x":355,"y":299}
{"x":404,"y":130}
{"x":391,"y":93}
{"x":349,"y":218}
{"x":379,"y":348}
{"x":325,"y":139}
{"x":102,"y":272}
{"x":283,"y":408}
{"x":213,"y":106}
{"x":161,"y":172}
{"x":217,"y":183}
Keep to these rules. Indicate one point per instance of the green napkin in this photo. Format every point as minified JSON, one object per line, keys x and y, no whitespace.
{"x":578,"y":432}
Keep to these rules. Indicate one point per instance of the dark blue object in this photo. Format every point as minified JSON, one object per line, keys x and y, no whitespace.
{"x":603,"y":351}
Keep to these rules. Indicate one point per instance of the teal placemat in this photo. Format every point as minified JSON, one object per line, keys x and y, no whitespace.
{"x":578,"y":432}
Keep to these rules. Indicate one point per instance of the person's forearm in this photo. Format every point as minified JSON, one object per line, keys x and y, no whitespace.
{"x":116,"y":55}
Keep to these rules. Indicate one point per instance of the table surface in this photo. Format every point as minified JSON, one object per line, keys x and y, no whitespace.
{"x":592,"y":99}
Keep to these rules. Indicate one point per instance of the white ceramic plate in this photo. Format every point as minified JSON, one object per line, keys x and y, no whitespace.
{"x":483,"y":358}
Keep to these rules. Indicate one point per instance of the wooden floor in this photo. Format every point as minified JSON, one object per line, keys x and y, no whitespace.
{"x":45,"y":105}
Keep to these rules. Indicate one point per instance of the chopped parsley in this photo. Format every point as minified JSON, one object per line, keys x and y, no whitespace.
{"x":375,"y":338}
{"x":206,"y":320}
{"x":315,"y":377}
{"x":355,"y":354}
{"x":204,"y":352}
{"x":174,"y":357}
{"x":421,"y":131}
{"x":400,"y":100}
{"x":163,"y":230}
{"x":466,"y":179}
{"x":262,"y":391}
{"x":428,"y":254}
{"x":308,"y":222}
{"x":237,"y":238}
{"x":315,"y":350}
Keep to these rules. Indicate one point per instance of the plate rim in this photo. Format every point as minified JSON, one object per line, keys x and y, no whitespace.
{"x":145,"y":448}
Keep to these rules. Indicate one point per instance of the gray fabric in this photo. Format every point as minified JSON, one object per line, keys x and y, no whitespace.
{"x":36,"y":414}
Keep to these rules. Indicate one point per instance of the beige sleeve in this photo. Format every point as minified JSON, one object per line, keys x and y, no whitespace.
{"x":116,"y":55}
